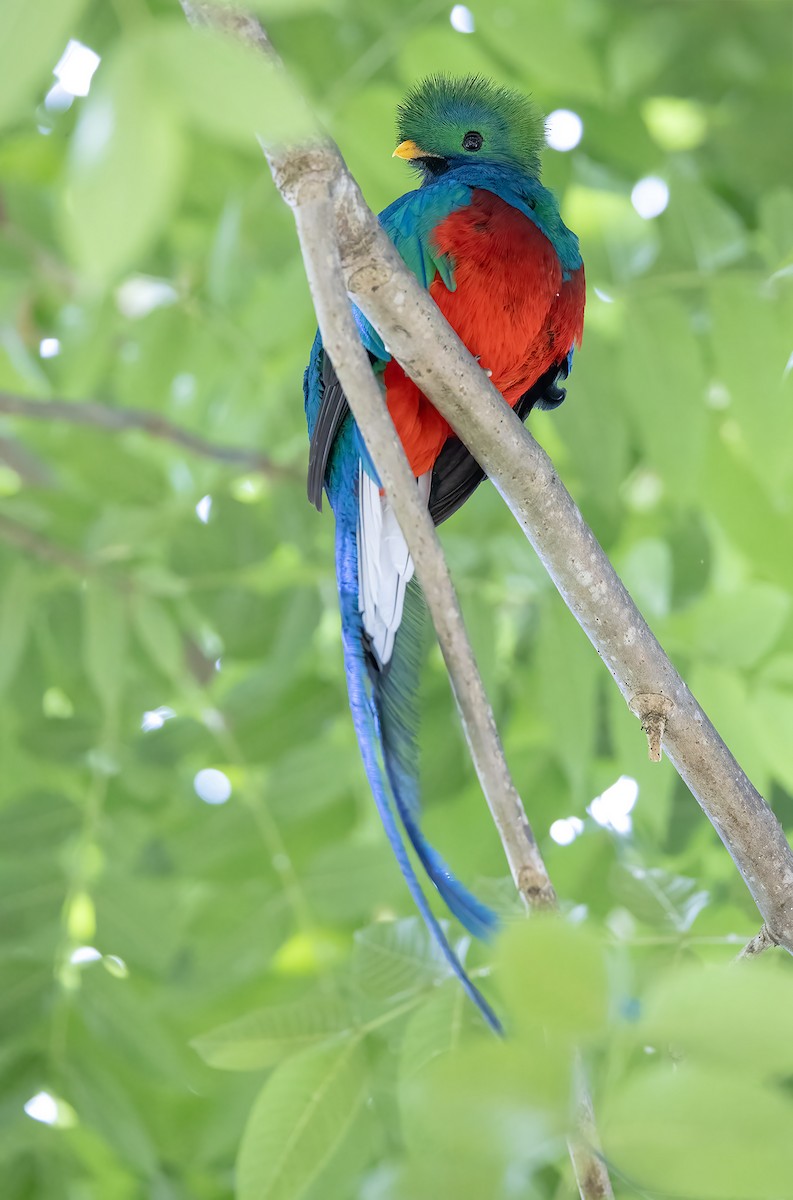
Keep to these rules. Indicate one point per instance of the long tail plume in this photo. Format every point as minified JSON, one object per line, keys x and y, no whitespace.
{"x":384,"y":711}
{"x":396,"y":701}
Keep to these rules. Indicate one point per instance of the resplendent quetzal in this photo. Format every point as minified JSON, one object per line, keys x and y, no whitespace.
{"x":486,"y":238}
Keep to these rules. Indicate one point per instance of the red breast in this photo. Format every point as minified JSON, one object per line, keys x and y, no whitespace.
{"x":511,"y":307}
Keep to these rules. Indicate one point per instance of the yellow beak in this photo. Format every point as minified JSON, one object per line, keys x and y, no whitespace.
{"x":408,"y":150}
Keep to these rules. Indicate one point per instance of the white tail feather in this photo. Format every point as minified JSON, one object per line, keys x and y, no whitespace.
{"x":385,"y":567}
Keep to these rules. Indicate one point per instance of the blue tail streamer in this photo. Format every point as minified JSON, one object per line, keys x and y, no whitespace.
{"x":396,"y":701}
{"x":384,"y":716}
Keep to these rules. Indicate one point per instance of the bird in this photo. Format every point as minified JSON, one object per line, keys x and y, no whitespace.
{"x":486,"y":239}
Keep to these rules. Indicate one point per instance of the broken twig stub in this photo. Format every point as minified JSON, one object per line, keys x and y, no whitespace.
{"x":653,"y":711}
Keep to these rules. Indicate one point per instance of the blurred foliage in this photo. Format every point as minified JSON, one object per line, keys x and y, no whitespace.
{"x":150,"y":938}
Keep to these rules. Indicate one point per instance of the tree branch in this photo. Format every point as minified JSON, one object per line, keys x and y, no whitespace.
{"x":34,"y":544}
{"x":119,"y":420}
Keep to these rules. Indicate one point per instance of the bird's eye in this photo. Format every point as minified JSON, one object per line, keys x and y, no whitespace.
{"x":472,"y":141}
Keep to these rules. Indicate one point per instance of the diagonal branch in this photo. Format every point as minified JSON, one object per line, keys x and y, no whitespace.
{"x":119,"y":420}
{"x":30,"y":542}
{"x":416,"y":333}
{"x":418,"y":336}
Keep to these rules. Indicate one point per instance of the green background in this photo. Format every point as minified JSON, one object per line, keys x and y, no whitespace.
{"x":246,"y":988}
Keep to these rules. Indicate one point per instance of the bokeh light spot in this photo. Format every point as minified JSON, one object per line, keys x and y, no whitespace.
{"x":566,"y":830}
{"x":75,"y":68}
{"x":563,"y":129}
{"x":85,"y":954}
{"x":650,"y":197}
{"x":42,"y":1107}
{"x":613,"y":807}
{"x":212,"y":786}
{"x":203,"y":509}
{"x":155,"y":718}
{"x":462,"y":19}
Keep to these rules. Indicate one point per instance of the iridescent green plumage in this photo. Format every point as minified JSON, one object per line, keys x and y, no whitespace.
{"x":439,"y":112}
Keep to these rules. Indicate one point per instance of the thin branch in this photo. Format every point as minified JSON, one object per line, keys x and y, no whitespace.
{"x":586,"y":1154}
{"x":29,"y":467}
{"x":23,"y":538}
{"x":120,"y":420}
{"x":312,"y":206}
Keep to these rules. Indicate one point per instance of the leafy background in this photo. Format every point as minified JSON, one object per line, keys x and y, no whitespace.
{"x":215,"y":996}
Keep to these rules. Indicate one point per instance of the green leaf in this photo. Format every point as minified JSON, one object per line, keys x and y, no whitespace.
{"x":124,"y":166}
{"x":318,"y":773}
{"x":736,"y":1018}
{"x":271,"y":9}
{"x":16,"y":606}
{"x":104,"y":642}
{"x":773,"y":711}
{"x":553,"y":978}
{"x":675,"y":122}
{"x":435,"y":44}
{"x":435,"y":1029}
{"x":489,"y":1108}
{"x":521,"y":23}
{"x":639,"y":49}
{"x":743,"y":504}
{"x":395,"y":958}
{"x":618,"y":244}
{"x":658,"y":897}
{"x":106,"y":1106}
{"x":159,"y":635}
{"x":306,"y":1125}
{"x":687,"y":1131}
{"x":660,"y":348}
{"x":775,"y":209}
{"x":646,"y":571}
{"x":348,"y":881}
{"x":757,"y":387}
{"x":702,"y":227}
{"x":568,"y":673}
{"x":264,"y":1037}
{"x":735,"y":628}
{"x":227,"y":88}
{"x":31,"y":38}
{"x":470,"y":1104}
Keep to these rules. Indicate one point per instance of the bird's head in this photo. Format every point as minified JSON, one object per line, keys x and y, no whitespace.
{"x":445,"y":122}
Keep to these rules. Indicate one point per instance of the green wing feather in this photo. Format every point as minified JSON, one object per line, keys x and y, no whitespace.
{"x":410,"y":222}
